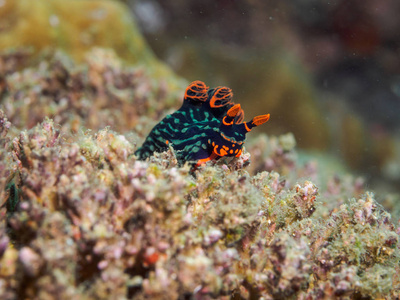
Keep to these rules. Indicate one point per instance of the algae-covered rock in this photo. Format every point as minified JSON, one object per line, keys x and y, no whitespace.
{"x":76,"y":27}
{"x":103,"y":93}
{"x":82,"y":217}
{"x":92,"y":220}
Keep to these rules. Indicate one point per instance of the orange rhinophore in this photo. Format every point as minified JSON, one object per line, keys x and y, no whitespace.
{"x":239,"y":117}
{"x":231,"y":115}
{"x":248,"y":126}
{"x":257,"y":121}
{"x":233,"y":111}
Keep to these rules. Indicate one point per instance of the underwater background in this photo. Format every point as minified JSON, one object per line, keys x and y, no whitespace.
{"x":328,"y":71}
{"x":309,"y":210}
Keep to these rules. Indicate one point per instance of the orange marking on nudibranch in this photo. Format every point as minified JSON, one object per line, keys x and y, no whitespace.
{"x":239,"y":153}
{"x":199,"y":90}
{"x":222,"y":152}
{"x":233,"y":111}
{"x":231,"y":152}
{"x":204,"y":160}
{"x":224,"y":94}
{"x":167,"y":142}
{"x":247,"y":127}
{"x":239,"y":117}
{"x":226,"y":123}
{"x":260,"y":120}
{"x":226,"y":138}
{"x":230,"y":140}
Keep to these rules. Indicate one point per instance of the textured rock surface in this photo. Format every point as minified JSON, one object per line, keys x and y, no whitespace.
{"x":81,"y":215}
{"x":76,"y":27}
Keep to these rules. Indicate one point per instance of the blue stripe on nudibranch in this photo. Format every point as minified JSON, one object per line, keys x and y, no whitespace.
{"x":207,"y":126}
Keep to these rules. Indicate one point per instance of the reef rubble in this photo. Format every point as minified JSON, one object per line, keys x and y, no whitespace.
{"x":81,"y":217}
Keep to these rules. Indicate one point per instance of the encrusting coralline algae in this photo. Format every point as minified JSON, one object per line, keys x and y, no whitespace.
{"x":81,"y":217}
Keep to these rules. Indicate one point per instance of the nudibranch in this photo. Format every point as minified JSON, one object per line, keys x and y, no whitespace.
{"x":208,"y":126}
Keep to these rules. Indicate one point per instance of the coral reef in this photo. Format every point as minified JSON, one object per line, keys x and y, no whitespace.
{"x":82,"y":217}
{"x":102,"y":93}
{"x":76,"y":26}
{"x":91,"y":219}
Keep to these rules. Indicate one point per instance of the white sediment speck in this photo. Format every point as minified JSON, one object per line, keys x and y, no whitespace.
{"x":53,"y":20}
